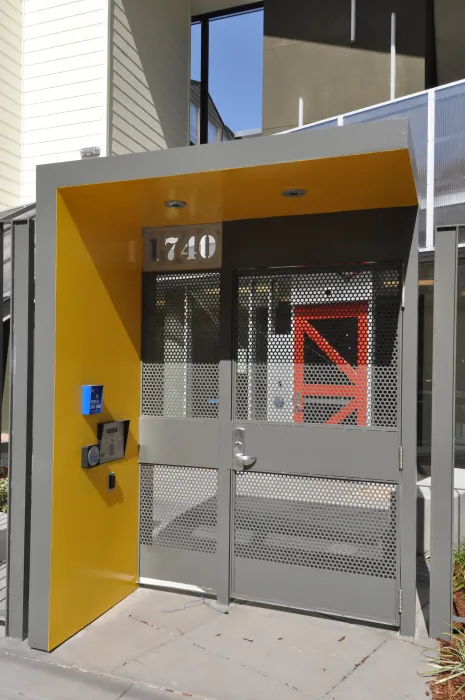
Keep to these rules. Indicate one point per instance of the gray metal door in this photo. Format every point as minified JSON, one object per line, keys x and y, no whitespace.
{"x":179,"y":428}
{"x":270,"y":436}
{"x":316,"y":424}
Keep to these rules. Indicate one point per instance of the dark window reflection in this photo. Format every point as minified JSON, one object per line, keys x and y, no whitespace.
{"x":425,"y":366}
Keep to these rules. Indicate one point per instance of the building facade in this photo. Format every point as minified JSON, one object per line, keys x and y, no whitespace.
{"x":115,"y":74}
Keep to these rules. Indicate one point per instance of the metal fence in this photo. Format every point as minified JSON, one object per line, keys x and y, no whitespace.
{"x":437,"y":123}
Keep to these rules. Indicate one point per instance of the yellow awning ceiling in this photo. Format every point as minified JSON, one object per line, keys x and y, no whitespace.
{"x":346,"y":183}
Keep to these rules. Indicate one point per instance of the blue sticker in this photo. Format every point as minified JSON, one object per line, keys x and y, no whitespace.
{"x":92,"y":399}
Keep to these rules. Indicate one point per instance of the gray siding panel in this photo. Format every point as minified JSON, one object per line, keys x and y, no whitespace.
{"x":10,"y":102}
{"x":149,"y":81}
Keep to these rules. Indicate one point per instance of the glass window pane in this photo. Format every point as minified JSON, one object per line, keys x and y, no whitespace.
{"x":194,"y":124}
{"x":196,"y":32}
{"x":236,"y":69}
{"x":212,"y":133}
{"x":425,"y":366}
{"x":460,"y":370}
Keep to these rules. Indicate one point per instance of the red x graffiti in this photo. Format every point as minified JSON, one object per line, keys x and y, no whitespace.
{"x":356,"y":391}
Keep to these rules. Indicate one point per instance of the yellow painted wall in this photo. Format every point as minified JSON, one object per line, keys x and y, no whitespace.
{"x":98,"y":326}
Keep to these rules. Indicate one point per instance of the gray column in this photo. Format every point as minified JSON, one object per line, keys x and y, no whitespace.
{"x":20,"y":447}
{"x":443,"y":429}
{"x":409,"y":441}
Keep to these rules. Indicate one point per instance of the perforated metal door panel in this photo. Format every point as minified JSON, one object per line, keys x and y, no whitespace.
{"x":321,"y":544}
{"x":319,"y":347}
{"x":178,"y":524}
{"x":180,"y":345}
{"x":179,"y":429}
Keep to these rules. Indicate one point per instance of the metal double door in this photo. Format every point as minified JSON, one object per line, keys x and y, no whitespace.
{"x":270,"y":436}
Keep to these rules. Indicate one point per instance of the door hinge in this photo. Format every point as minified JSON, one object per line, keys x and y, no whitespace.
{"x":400,"y":601}
{"x":401,"y":458}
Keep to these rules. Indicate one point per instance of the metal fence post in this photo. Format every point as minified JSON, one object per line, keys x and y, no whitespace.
{"x":20,"y":448}
{"x":225,"y":475}
{"x":430,"y":168}
{"x":443,"y":429}
{"x":409,"y":440}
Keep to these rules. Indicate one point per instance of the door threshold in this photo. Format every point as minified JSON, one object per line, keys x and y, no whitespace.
{"x":314,"y":612}
{"x":173,"y":586}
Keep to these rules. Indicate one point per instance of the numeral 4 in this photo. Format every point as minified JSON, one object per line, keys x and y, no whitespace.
{"x":189,"y":249}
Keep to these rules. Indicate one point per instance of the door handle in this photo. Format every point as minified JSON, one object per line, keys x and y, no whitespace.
{"x":245,"y":461}
{"x":241,"y":461}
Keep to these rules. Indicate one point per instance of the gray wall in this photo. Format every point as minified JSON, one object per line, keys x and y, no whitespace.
{"x":450,"y":43}
{"x":149,"y":75}
{"x":307,"y":53}
{"x":343,"y":237}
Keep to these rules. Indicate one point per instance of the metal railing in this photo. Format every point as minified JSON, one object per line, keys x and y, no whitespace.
{"x":437,"y":123}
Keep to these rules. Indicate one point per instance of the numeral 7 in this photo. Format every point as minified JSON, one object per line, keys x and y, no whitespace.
{"x":172,"y":242}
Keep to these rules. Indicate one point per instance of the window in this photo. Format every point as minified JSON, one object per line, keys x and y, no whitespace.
{"x":194,"y":124}
{"x":213,"y":133}
{"x":425,"y":366}
{"x":227,"y":73}
{"x":236,"y":69}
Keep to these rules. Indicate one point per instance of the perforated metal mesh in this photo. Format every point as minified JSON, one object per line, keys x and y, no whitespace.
{"x":180,"y":348}
{"x":319,"y":346}
{"x":335,"y":525}
{"x":178,"y":507}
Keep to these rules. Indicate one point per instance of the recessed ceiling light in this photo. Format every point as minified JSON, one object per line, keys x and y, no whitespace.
{"x":175,"y":204}
{"x":294,"y":192}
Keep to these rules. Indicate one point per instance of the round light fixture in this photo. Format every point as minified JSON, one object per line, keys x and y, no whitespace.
{"x":294,"y":192}
{"x":175,"y":204}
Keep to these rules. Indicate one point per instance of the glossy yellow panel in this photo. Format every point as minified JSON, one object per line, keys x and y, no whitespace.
{"x":367,"y":181}
{"x":98,"y":325}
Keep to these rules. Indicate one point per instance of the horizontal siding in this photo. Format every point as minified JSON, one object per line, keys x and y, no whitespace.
{"x":89,"y":87}
{"x":64,"y":98}
{"x":66,"y":66}
{"x":60,"y":120}
{"x":64,"y":39}
{"x":57,"y":110}
{"x":67,"y":77}
{"x":60,"y":53}
{"x":150,"y":75}
{"x":11,"y":164}
{"x":10,"y":102}
{"x":70,"y":142}
{"x":59,"y":26}
{"x":52,"y":13}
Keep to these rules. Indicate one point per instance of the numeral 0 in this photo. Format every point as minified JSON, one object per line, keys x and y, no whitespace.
{"x":207,"y":246}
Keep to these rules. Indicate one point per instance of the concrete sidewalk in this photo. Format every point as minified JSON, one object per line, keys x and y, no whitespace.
{"x":139,"y":650}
